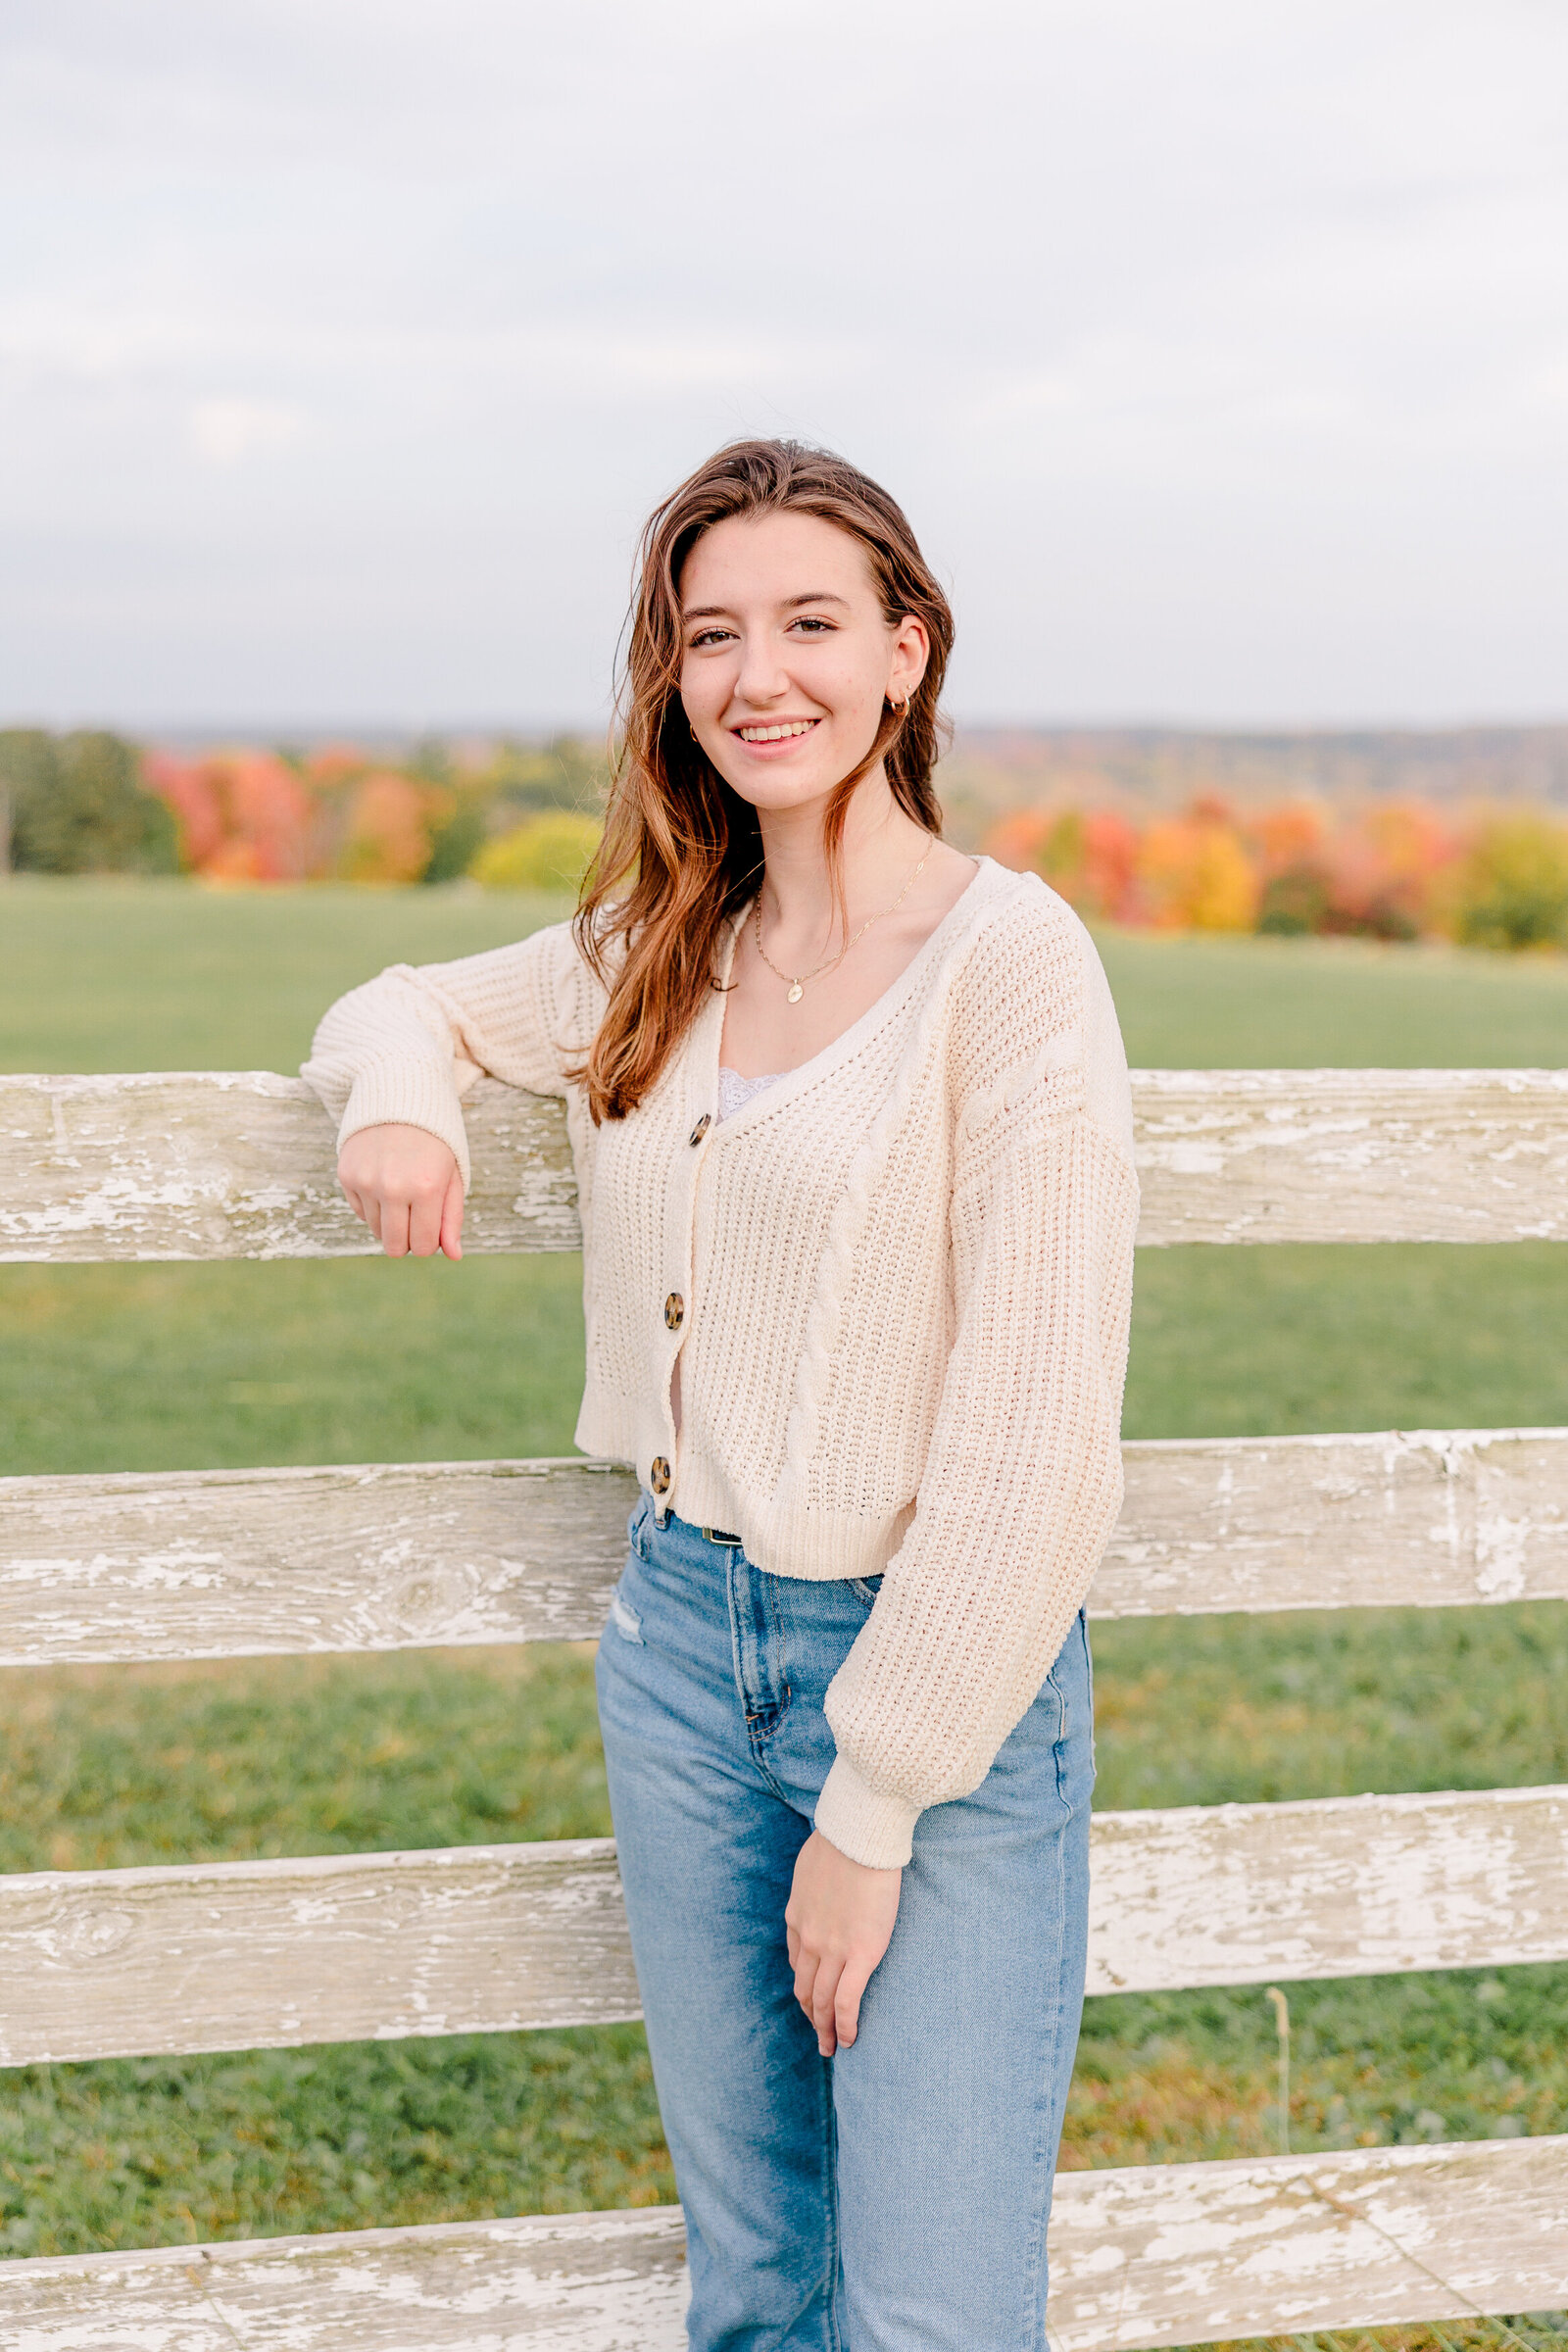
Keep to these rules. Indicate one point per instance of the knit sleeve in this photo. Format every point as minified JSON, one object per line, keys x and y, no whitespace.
{"x":408,"y":1045}
{"x":1022,"y":1483}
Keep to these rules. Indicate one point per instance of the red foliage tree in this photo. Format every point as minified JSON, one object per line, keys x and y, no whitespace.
{"x":243,"y":816}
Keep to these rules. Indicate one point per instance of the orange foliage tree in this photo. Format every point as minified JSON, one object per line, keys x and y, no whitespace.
{"x":1196,"y":872}
{"x":1393,"y":869}
{"x":1089,"y":856}
{"x":387,"y":838}
{"x":252,"y":816}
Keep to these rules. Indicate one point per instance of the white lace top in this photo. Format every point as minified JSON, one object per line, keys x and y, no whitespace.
{"x":735,"y":1091}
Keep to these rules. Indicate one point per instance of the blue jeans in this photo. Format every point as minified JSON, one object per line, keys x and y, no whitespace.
{"x":893,"y":2198}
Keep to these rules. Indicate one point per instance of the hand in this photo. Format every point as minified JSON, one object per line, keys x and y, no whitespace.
{"x":404,"y":1182}
{"x":837,"y":1923}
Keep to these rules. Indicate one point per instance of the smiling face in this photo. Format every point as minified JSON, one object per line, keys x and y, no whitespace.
{"x":788,"y":655}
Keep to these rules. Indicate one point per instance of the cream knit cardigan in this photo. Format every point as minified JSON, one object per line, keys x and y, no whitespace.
{"x":901,"y":1276}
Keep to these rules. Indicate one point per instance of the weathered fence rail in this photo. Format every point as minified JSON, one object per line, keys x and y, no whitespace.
{"x":491,"y":1938}
{"x":216,"y":1564}
{"x":1166,"y":2254}
{"x":239,"y":1164}
{"x":230,"y":1564}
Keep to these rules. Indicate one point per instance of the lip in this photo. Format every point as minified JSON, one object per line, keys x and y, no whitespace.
{"x":782,"y":744}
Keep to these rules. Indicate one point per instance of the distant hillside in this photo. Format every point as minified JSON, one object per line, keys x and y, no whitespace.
{"x":992,"y":770}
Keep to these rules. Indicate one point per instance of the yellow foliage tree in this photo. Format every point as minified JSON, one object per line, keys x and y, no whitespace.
{"x":1511,"y":889}
{"x":1197,"y":874}
{"x":548,"y":852}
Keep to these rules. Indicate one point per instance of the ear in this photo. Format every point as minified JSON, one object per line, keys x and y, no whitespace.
{"x":911,"y":651}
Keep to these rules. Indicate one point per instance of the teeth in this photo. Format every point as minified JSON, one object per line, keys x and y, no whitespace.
{"x":796,"y":726}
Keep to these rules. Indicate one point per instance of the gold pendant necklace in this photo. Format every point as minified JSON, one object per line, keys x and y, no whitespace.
{"x":797,"y":984}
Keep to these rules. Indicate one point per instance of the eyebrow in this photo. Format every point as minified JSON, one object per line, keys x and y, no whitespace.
{"x":818,"y":596}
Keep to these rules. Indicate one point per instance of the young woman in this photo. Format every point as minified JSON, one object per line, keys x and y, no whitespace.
{"x":851,"y":1129}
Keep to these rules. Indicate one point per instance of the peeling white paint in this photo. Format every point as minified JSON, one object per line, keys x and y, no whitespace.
{"x":494,"y":1939}
{"x":234,"y":1563}
{"x":1425,"y":1517}
{"x":1151,"y":2256}
{"x":1294,"y":2243}
{"x":1501,"y":1548}
{"x":323,"y":1948}
{"x":585,"y":2282}
{"x":1341,"y":1887}
{"x":1352,"y":1155}
{"x":240,"y":1164}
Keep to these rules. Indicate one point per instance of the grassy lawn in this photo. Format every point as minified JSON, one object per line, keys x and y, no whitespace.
{"x":175,"y":1366}
{"x":1285,"y":1003}
{"x":122,"y":975}
{"x":139,"y":975}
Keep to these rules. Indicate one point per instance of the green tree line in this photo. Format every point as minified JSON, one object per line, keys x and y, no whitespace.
{"x":74,"y":804}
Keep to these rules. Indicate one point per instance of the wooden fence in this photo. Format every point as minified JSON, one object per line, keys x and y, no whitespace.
{"x":239,"y":1955}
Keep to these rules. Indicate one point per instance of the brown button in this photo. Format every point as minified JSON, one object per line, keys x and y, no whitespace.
{"x":700,"y":1129}
{"x":659,"y":1472}
{"x":674,"y":1312}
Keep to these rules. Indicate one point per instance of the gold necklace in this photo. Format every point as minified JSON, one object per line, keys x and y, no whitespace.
{"x":798,"y":985}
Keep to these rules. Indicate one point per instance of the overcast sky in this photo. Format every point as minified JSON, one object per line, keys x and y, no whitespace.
{"x":1217,"y":350}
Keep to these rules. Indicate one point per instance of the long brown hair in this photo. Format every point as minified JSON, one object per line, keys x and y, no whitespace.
{"x":681,"y":852}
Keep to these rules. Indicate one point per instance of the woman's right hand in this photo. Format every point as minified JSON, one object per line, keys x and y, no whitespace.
{"x":404,"y":1182}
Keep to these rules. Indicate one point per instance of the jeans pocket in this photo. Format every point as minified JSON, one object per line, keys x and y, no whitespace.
{"x":1089,"y":1670}
{"x":864,"y":1588}
{"x":638,"y":1526}
{"x":624,"y":1617}
{"x":1070,"y":1686}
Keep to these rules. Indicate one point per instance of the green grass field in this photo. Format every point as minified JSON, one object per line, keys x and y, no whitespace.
{"x":107,"y":1367}
{"x":140,"y":975}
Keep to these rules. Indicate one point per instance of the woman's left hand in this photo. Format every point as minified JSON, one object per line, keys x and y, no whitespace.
{"x":837,"y":1923}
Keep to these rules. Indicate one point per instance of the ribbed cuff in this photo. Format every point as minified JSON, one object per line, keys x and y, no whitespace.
{"x":408,"y":1095}
{"x":862,"y":1822}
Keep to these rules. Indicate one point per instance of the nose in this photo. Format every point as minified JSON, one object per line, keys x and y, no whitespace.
{"x":762,"y":677}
